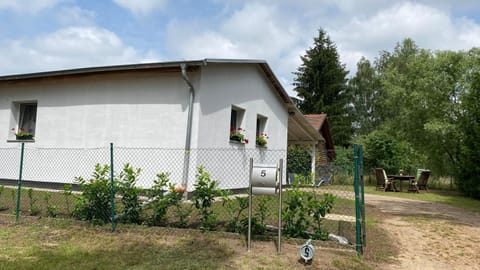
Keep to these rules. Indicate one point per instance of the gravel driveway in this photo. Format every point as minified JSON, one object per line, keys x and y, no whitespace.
{"x":430,"y":235}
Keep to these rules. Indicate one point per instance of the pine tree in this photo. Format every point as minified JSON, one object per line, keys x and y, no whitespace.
{"x":321,"y":84}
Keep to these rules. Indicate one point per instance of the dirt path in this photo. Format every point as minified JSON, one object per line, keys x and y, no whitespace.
{"x":430,"y":235}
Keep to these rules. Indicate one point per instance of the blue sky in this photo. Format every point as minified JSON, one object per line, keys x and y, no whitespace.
{"x":41,"y":35}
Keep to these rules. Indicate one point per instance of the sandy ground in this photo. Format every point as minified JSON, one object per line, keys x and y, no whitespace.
{"x":430,"y":235}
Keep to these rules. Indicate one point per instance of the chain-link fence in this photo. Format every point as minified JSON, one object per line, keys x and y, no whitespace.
{"x":165,"y":187}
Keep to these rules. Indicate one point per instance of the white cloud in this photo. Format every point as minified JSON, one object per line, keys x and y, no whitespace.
{"x":278,"y":31}
{"x":254,"y":31}
{"x":76,"y":16}
{"x":142,"y":7}
{"x":261,"y":33}
{"x":429,"y":27}
{"x":70,"y":47}
{"x":28,"y":6}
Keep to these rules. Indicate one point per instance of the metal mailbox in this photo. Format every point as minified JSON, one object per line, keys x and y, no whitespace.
{"x":264,"y":179}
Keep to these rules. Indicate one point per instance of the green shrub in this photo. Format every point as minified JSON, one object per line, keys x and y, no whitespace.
{"x":34,"y":210}
{"x":130,"y":195}
{"x":304,"y":210}
{"x":94,"y":204}
{"x":182,"y":211}
{"x":318,"y":209}
{"x":161,"y":197}
{"x":236,"y":209}
{"x":344,"y":160}
{"x":295,"y":214}
{"x":2,"y":207}
{"x":262,"y":214}
{"x":67,"y":192}
{"x":204,"y":194}
{"x":52,"y":210}
{"x":299,"y":160}
{"x":383,"y":150}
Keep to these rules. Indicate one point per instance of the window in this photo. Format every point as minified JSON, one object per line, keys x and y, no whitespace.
{"x":233,"y":120}
{"x":24,"y":118}
{"x":237,"y":133}
{"x":28,"y":117}
{"x":261,"y":136}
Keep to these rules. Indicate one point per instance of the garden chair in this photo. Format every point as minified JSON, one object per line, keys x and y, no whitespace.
{"x":383,"y":182}
{"x":420,"y":182}
{"x":324,"y":180}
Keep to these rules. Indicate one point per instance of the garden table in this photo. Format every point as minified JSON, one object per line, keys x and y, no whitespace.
{"x":401,"y":178}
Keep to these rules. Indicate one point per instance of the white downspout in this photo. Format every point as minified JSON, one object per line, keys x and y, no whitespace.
{"x":186,"y":158}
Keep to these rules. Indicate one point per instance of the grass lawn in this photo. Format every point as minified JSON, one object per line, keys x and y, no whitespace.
{"x":67,"y":244}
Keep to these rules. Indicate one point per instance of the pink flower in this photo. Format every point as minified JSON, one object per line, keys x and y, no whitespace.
{"x":246,"y":140}
{"x":180,"y":189}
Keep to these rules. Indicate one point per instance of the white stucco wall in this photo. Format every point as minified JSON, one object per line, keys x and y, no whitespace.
{"x":145,"y":115}
{"x":244,"y":86}
{"x":77,"y":118}
{"x":135,"y":110}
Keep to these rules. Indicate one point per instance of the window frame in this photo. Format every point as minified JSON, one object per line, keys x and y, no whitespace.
{"x":23,"y":116}
{"x":237,"y":123}
{"x":260,"y":127}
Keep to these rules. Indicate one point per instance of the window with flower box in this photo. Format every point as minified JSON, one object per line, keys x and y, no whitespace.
{"x":237,"y":132}
{"x":261,"y":137}
{"x":24,"y":119}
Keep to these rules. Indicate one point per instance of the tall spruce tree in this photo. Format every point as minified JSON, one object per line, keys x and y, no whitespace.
{"x":321,"y":85}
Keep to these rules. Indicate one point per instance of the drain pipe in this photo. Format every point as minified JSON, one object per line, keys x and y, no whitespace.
{"x":186,"y":157}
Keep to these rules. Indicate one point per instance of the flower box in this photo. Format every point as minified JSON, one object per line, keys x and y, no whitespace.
{"x":24,"y":137}
{"x":261,"y":140}
{"x":237,"y":135}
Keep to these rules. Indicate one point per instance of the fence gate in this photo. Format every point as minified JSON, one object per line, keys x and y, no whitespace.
{"x":359,"y":198}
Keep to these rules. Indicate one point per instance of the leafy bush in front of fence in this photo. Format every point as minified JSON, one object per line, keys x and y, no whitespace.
{"x":304,"y":210}
{"x":182,"y":212}
{"x":2,"y":189}
{"x":34,"y":210}
{"x":206,"y":189}
{"x":262,"y":215}
{"x":319,"y":208}
{"x":52,"y":210}
{"x":236,"y":210}
{"x":67,"y":192}
{"x":130,"y":195}
{"x":161,"y":197}
{"x":94,"y":203}
{"x":295,"y":213}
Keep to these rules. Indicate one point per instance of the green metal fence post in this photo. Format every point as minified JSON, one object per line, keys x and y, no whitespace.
{"x":358,"y":215}
{"x":112,"y":188}
{"x":17,"y":210}
{"x":362,"y":194}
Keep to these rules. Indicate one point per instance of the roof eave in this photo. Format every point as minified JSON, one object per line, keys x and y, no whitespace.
{"x":102,"y":69}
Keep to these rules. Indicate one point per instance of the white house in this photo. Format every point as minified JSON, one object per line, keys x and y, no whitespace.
{"x":161,"y":117}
